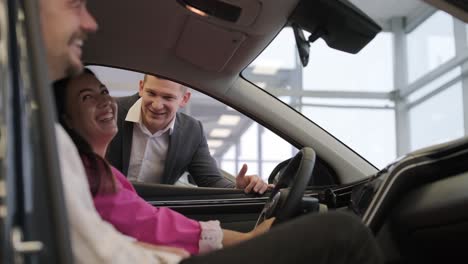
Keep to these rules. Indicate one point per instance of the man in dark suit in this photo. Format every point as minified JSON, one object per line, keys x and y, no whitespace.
{"x":156,"y":144}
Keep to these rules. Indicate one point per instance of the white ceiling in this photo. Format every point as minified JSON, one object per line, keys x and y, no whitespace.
{"x":383,"y":10}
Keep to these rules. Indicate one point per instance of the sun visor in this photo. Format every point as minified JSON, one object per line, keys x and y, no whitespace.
{"x":341,"y":24}
{"x":206,"y":45}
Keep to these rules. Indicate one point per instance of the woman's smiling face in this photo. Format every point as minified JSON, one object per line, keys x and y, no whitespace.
{"x":90,"y":110}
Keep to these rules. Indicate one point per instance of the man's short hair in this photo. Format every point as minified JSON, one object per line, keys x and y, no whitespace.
{"x":183,"y":87}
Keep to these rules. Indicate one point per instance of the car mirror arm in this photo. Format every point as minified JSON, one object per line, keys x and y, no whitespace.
{"x":302,"y":44}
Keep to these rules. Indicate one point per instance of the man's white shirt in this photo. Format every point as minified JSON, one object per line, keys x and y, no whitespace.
{"x":149,"y":151}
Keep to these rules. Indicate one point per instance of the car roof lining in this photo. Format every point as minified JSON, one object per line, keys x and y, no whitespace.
{"x":156,"y":50}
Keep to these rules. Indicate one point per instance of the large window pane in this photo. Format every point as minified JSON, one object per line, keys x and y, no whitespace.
{"x":431,"y":44}
{"x":369,"y":70}
{"x":364,"y":103}
{"x":434,"y":85}
{"x":120,"y":82}
{"x":275,"y":148}
{"x":438,"y":119}
{"x":466,"y":26}
{"x":231,"y":153}
{"x":280,"y":54}
{"x":370,"y":132}
{"x":267,"y":168}
{"x":252,"y":167}
{"x":229,"y":167}
{"x":249,"y":144}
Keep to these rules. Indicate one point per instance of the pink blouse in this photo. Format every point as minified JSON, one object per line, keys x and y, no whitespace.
{"x":133,"y":216}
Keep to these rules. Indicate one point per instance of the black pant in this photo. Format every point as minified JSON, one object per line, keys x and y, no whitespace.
{"x":313,"y":238}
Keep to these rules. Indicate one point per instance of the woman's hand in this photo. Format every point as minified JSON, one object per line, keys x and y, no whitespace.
{"x":262,"y":228}
{"x":232,"y":237}
{"x":177,"y":251}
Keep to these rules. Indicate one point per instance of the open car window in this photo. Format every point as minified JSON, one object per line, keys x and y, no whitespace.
{"x":233,"y":138}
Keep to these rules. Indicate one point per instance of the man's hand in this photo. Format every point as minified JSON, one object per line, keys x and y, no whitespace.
{"x":251,"y":183}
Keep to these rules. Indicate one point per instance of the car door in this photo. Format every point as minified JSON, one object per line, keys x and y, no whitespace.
{"x":232,"y":207}
{"x":33,"y":222}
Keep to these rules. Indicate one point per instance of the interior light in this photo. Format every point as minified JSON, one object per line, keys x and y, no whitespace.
{"x":266,"y":69}
{"x":213,"y":143}
{"x":220,"y":133}
{"x":196,"y":11}
{"x":229,"y":120}
{"x":213,"y":8}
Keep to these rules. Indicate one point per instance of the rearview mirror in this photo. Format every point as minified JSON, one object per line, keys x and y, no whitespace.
{"x":341,"y":24}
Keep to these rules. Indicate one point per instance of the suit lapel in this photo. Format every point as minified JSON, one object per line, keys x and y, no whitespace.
{"x":174,"y":141}
{"x":126,"y":144}
{"x":127,"y":133}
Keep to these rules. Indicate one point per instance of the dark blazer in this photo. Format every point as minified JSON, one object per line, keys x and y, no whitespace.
{"x":187,"y":151}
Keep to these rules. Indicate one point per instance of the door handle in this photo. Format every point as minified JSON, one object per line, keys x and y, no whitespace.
{"x":24,"y":247}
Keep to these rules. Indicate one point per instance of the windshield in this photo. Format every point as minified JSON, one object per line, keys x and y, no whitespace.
{"x":403,"y":91}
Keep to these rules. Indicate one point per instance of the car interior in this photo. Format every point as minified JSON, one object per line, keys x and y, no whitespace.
{"x":161,"y":49}
{"x":412,"y":210}
{"x":414,"y":206}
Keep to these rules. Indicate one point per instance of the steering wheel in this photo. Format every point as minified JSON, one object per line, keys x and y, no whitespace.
{"x":284,"y":203}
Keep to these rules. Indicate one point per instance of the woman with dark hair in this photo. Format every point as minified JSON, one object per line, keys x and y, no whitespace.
{"x":97,"y":169}
{"x":88,"y":114}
